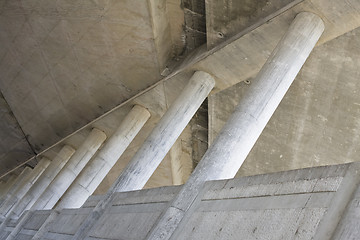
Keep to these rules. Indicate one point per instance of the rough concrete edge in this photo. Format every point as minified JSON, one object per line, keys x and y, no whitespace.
{"x":189,"y":212}
{"x":339,"y":203}
{"x":160,"y":24}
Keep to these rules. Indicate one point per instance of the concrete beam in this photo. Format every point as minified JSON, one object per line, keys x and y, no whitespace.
{"x":238,"y":136}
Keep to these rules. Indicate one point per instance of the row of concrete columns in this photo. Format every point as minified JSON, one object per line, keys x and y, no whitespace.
{"x":71,"y":170}
{"x":78,"y":180}
{"x":80,"y":176}
{"x":229,"y":150}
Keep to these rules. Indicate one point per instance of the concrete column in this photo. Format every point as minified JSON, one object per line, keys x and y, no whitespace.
{"x":44,"y":180}
{"x":149,"y":156}
{"x":158,"y":143}
{"x":93,"y":174}
{"x":238,"y":136}
{"x":8,"y":184}
{"x":25,"y":186}
{"x":176,"y":165}
{"x":2,"y":188}
{"x":18,"y":182}
{"x":25,"y":218}
{"x":70,"y":171}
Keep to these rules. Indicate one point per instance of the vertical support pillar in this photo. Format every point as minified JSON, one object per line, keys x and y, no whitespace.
{"x":25,"y":186}
{"x":44,"y":180}
{"x":238,"y":136}
{"x":97,"y":169}
{"x":70,"y":171}
{"x":20,"y":178}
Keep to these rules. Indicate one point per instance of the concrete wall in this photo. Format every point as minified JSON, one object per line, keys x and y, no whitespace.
{"x":287,"y":205}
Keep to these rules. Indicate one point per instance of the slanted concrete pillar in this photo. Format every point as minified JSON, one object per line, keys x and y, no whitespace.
{"x":25,"y":186}
{"x":20,"y":178}
{"x":8,"y":184}
{"x":44,"y":180}
{"x":238,"y":136}
{"x":97,"y":169}
{"x":70,"y":171}
{"x":2,"y":188}
{"x":158,"y":143}
{"x":25,"y":219}
{"x":149,"y":156}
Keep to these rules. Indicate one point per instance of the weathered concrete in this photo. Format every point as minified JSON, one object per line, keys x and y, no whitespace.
{"x":70,"y":171}
{"x":92,"y":175}
{"x":2,"y":187}
{"x":8,"y":184}
{"x":285,"y":205}
{"x":18,"y":183}
{"x":225,"y":19}
{"x":316,"y":124}
{"x":45,"y":179}
{"x":156,"y":146}
{"x":14,"y":146}
{"x":25,"y":186}
{"x":82,"y":48}
{"x":164,"y":135}
{"x":229,"y":150}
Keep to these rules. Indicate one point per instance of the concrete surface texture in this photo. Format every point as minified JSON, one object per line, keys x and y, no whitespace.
{"x":249,"y":49}
{"x":25,"y":185}
{"x":67,"y":67}
{"x":317,"y":122}
{"x":229,"y":150}
{"x":284,"y":205}
{"x":89,"y":179}
{"x":70,"y":171}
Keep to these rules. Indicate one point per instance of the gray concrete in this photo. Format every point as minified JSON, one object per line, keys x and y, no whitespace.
{"x":225,"y":19}
{"x":92,"y":175}
{"x":229,"y":150}
{"x":158,"y":143}
{"x":8,"y":184}
{"x":40,"y":185}
{"x":70,"y":171}
{"x":164,"y":135}
{"x":317,"y":122}
{"x":25,"y":186}
{"x":19,"y":181}
{"x":249,"y":50}
{"x":284,"y":205}
{"x":14,"y":147}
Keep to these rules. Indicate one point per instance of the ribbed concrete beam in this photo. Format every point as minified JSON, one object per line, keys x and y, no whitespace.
{"x":97,"y":169}
{"x":25,"y":186}
{"x":234,"y":142}
{"x":70,"y":171}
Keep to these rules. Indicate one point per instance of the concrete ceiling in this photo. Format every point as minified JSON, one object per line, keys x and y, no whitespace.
{"x":66,"y":63}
